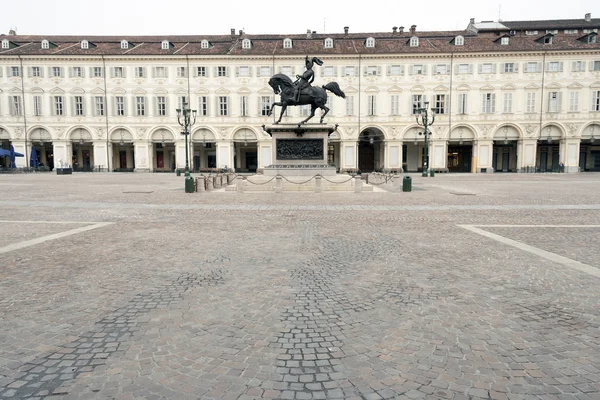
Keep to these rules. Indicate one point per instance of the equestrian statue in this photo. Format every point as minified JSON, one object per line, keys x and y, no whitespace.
{"x":301,"y":92}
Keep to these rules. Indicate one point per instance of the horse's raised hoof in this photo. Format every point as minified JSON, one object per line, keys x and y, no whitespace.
{"x":276,"y":123}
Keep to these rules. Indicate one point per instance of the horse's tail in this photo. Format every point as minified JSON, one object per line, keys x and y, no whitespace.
{"x":334,"y":88}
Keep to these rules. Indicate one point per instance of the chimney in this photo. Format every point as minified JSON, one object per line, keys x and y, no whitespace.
{"x":472,"y":21}
{"x":401,"y":29}
{"x":232,"y":33}
{"x":346,"y":29}
{"x":413,"y":29}
{"x":12,"y":32}
{"x":588,"y":17}
{"x":241,"y":32}
{"x":308,"y":34}
{"x":394,"y":29}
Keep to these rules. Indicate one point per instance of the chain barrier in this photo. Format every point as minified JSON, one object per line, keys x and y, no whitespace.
{"x":298,"y":183}
{"x":264,"y":183}
{"x":347,"y":180}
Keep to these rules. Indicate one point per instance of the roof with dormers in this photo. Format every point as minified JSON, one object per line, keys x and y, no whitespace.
{"x":430,"y":42}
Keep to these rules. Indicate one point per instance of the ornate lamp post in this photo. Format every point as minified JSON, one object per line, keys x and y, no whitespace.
{"x":425,"y":123}
{"x":189,"y":119}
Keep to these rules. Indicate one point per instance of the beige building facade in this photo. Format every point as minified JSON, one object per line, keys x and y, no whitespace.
{"x":507,"y":97}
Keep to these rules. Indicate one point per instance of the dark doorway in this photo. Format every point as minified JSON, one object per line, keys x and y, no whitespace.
{"x":122,"y":159}
{"x":366,"y":157}
{"x":459,"y":158}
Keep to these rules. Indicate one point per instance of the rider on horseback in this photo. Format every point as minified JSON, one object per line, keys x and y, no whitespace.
{"x":304,"y":81}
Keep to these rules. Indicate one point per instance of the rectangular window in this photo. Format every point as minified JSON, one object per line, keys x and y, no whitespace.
{"x":265,"y":105}
{"x":223,"y":106}
{"x":395,"y":104}
{"x":463,"y":103}
{"x":574,"y":102}
{"x":97,"y":72}
{"x":289,"y":71}
{"x":554,"y":100}
{"x":16,"y":109}
{"x":15,"y":71}
{"x":77,"y":72}
{"x":553,"y":66}
{"x":36,"y":72}
{"x":596,"y":100}
{"x":372,"y":70}
{"x":441,"y":69}
{"x":37,"y":106}
{"x":349,"y":105}
{"x":418,"y":69}
{"x":120,"y":106}
{"x":117,"y":72}
{"x":417,"y":103}
{"x":349,"y":71}
{"x":160,"y":72}
{"x":531,"y":33}
{"x":487,"y":68}
{"x":530,"y":103}
{"x":182,"y":102}
{"x":440,"y":104}
{"x":488,"y":105}
{"x":570,"y":31}
{"x":181,"y":72}
{"x":329,"y":71}
{"x":161,"y":106}
{"x":464,"y":68}
{"x":78,"y":105}
{"x":508,"y":103}
{"x":531,"y":67}
{"x":140,"y":72}
{"x":56,"y":72}
{"x":140,"y":106}
{"x":304,"y":111}
{"x":396,"y":70}
{"x":372,"y":105}
{"x":595,"y":66}
{"x":203,"y":106}
{"x":99,"y":105}
{"x":264,"y":71}
{"x":578,"y":66}
{"x":509,"y":68}
{"x":243,"y":71}
{"x":221,"y":71}
{"x":201,"y":71}
{"x":58,"y":105}
{"x":244,"y":106}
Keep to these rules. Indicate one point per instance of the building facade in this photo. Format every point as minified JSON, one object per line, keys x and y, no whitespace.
{"x":508,"y":97}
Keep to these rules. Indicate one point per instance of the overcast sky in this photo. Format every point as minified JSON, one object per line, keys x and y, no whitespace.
{"x":150,"y":17}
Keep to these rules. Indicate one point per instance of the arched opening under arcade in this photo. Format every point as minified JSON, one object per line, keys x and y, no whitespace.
{"x":371,"y":150}
{"x":82,"y":153}
{"x":412,"y":150}
{"x":5,"y":145}
{"x":123,"y":154}
{"x":548,"y":149}
{"x":461,"y":143}
{"x":589,"y":148}
{"x":504,"y":156}
{"x":163,"y":150}
{"x":334,"y":150}
{"x":245,"y":150}
{"x":204,"y":146}
{"x":42,"y":142}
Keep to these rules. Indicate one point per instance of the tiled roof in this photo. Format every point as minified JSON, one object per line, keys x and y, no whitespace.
{"x":269,"y":44}
{"x":594,"y":23}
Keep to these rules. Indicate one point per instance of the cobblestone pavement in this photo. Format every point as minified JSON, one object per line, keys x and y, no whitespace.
{"x":298,"y":296}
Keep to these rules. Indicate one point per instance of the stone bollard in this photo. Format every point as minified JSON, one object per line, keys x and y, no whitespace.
{"x":210,"y":183}
{"x":240,"y":185}
{"x":318,"y":184}
{"x":215,"y":182}
{"x":200,"y":185}
{"x":357,"y":184}
{"x":278,"y":184}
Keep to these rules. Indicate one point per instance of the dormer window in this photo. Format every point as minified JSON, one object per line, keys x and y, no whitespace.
{"x":548,"y":39}
{"x":85,"y":44}
{"x":124,"y":44}
{"x":414,"y":41}
{"x":166,"y":45}
{"x":531,"y":33}
{"x":246,"y":44}
{"x":592,"y":37}
{"x":45,"y":44}
{"x":328,"y":43}
{"x":504,"y":41}
{"x":287,"y":43}
{"x":370,"y":42}
{"x":204,"y":44}
{"x":552,"y":31}
{"x":5,"y":44}
{"x":459,"y":41}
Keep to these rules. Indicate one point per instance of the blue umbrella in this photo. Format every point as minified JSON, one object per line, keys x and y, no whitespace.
{"x":12,"y":157}
{"x":33,"y":161}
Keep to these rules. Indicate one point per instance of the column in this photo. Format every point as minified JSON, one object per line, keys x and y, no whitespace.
{"x":100,"y":155}
{"x":483,"y":151}
{"x":180,"y":154}
{"x":438,"y":155}
{"x":569,"y":154}
{"x":19,"y":147}
{"x":143,"y":156}
{"x":393,"y":155}
{"x":526,"y":153}
{"x":225,"y":155}
{"x":62,"y":153}
{"x":349,"y":155}
{"x":265,"y":150}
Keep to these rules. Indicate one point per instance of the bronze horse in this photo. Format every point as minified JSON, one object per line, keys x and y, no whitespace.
{"x":314,"y":95}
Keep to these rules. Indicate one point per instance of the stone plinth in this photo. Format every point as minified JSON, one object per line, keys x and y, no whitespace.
{"x":300,"y":150}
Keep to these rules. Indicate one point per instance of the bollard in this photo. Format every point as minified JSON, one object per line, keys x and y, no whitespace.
{"x":278,"y":184}
{"x":200,"y":184}
{"x":210,"y":183}
{"x":318,"y":184}
{"x":178,"y":172}
{"x":432,"y":172}
{"x":240,"y":185}
{"x":357,"y":184}
{"x":407,"y":184}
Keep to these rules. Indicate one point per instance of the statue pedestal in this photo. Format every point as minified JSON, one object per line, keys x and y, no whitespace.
{"x":300,"y":150}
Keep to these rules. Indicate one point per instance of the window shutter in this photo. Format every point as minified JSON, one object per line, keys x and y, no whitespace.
{"x":516,"y":67}
{"x":62,"y":72}
{"x":82,"y":72}
{"x":483,"y":103}
{"x":493,"y":68}
{"x":335,"y":71}
{"x":413,"y":70}
{"x":591,"y":65}
{"x":257,"y":71}
{"x":49,"y":71}
{"x":195,"y":72}
{"x":480,"y":68}
{"x":91,"y":71}
{"x":424,"y":69}
{"x":237,"y":71}
{"x":559,"y":102}
{"x":166,"y":69}
{"x":470,"y":68}
{"x":73,"y":106}
{"x":389,"y":70}
{"x":493,"y":103}
{"x":560,"y":66}
{"x":216,"y":71}
{"x":502,"y":67}
{"x":379,"y":71}
{"x":456,"y":69}
{"x":539,"y":67}
{"x":30,"y":72}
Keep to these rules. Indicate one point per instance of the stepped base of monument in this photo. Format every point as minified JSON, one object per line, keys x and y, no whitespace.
{"x":303,"y":169}
{"x":299,"y":183}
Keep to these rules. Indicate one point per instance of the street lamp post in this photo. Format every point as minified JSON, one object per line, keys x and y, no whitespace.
{"x":425,"y":123}
{"x":186,"y":118}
